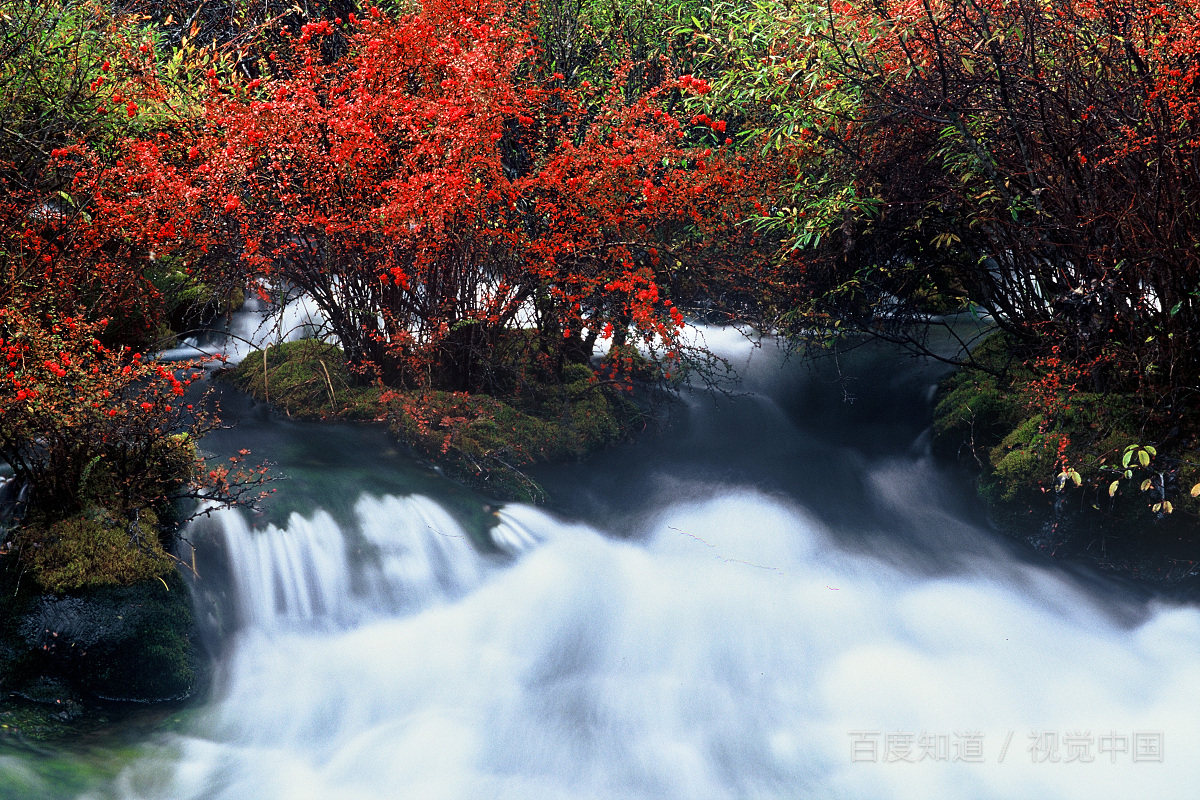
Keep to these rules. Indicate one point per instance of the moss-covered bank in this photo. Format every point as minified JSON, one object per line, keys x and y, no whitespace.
{"x":1076,"y":472}
{"x":483,"y":441}
{"x":307,"y":379}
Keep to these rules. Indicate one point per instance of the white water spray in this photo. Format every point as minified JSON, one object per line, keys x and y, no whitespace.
{"x":728,"y":651}
{"x":253,"y":327}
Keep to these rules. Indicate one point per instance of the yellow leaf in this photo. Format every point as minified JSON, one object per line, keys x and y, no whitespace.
{"x":1143,"y":458}
{"x":1146,"y":484}
{"x":1196,"y":490}
{"x":1167,"y":507}
{"x":1112,"y":488}
{"x":1155,"y":508}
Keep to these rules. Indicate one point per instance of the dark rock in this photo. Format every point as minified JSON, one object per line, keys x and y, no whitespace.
{"x":118,"y":643}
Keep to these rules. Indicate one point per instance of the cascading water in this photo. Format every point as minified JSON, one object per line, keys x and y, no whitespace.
{"x":407,"y":552}
{"x":729,"y":651}
{"x":744,"y":608}
{"x":255,"y":325}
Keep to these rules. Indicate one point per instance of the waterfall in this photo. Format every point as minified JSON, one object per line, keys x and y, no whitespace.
{"x":404,"y":554}
{"x":252,"y":327}
{"x":724,"y":649}
{"x":781,"y":597}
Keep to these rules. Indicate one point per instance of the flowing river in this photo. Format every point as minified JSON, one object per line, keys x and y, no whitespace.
{"x":780,"y":595}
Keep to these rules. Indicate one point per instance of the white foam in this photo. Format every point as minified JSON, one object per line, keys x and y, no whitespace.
{"x":729,"y":652}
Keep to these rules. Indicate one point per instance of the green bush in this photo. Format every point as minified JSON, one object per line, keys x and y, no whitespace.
{"x":997,"y":422}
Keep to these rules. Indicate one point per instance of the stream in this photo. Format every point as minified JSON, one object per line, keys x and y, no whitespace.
{"x":778,"y":594}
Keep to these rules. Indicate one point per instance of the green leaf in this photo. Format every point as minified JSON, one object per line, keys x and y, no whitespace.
{"x":1143,"y":458}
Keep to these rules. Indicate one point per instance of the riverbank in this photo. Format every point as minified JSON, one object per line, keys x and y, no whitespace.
{"x":1103,"y":477}
{"x":483,"y":441}
{"x":74,"y":661}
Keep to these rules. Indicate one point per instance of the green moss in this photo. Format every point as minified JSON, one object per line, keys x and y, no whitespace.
{"x":478,"y":439}
{"x":976,"y":409}
{"x":130,"y":643}
{"x":308,"y":379}
{"x":486,"y":442}
{"x":1020,"y":463}
{"x":94,"y":550}
{"x":154,"y":659}
{"x":996,"y":423}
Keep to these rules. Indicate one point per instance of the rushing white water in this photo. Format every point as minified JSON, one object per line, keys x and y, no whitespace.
{"x":728,"y":650}
{"x":252,"y":327}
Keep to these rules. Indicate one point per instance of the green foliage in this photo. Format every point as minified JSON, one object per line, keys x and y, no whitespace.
{"x":50,"y":53}
{"x":788,"y":102}
{"x":1033,"y":451}
{"x":975,"y":410}
{"x":187,"y":302}
{"x":588,"y":40}
{"x":1021,"y":463}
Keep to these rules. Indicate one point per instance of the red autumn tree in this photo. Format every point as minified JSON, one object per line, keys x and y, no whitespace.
{"x":101,"y":442}
{"x":99,"y":439}
{"x":435,"y":191}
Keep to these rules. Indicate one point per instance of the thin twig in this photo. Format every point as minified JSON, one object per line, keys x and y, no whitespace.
{"x":329,"y":383}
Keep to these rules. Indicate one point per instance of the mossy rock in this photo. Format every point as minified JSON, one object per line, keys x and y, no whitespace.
{"x":1020,"y":462}
{"x":486,"y":442}
{"x":975,"y":409}
{"x":131,"y":643}
{"x":995,"y":422}
{"x":480,"y":440}
{"x":307,"y":379}
{"x":125,"y":643}
{"x":94,"y":550}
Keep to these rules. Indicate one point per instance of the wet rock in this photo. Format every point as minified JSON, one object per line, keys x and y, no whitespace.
{"x":128,"y":644}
